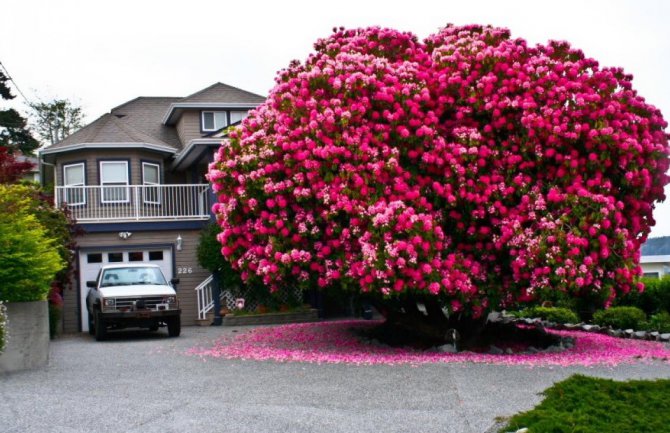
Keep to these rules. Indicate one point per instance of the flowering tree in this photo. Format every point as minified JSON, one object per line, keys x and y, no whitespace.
{"x":465,"y":172}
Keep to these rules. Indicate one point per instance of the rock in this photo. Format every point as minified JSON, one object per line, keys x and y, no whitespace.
{"x":509,"y":351}
{"x":494,"y":316}
{"x":550,"y":325}
{"x":654,"y":335}
{"x":664,"y":337}
{"x":640,"y":335}
{"x":628,"y":333}
{"x":522,"y":430}
{"x":529,"y":321}
{"x":495,"y":350}
{"x":447,"y":348}
{"x":591,"y":328}
{"x":572,"y":326}
{"x":532,"y":349}
{"x":553,"y":349}
{"x":615,"y":333}
{"x":568,"y":344}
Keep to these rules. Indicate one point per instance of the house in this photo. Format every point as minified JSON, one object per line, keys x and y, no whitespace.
{"x":33,"y":175}
{"x":134,"y":180}
{"x":655,"y":257}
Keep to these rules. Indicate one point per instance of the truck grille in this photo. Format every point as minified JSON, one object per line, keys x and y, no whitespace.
{"x":139,"y":303}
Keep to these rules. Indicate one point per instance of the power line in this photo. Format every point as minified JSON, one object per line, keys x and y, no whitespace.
{"x":16,"y":86}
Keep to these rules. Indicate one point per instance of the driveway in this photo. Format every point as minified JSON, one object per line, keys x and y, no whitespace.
{"x":143,"y":382}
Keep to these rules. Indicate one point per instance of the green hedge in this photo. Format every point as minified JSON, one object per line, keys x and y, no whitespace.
{"x":621,"y":318}
{"x":659,"y":322}
{"x":655,"y":298}
{"x":552,"y":314}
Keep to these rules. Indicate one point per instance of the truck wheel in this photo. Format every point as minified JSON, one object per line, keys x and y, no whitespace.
{"x":154,"y":327}
{"x":91,"y":325}
{"x":100,"y":330}
{"x":174,"y":326}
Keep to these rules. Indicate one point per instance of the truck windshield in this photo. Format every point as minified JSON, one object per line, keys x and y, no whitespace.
{"x":131,"y":275}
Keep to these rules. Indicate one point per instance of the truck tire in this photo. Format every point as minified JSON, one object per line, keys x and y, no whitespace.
{"x":100,"y":330}
{"x":174,"y":326}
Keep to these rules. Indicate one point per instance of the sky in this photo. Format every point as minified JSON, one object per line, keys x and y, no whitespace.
{"x":102,"y":54}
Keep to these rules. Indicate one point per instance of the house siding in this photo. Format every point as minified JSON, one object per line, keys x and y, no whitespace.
{"x":93,"y":157}
{"x":188,"y":127}
{"x":185,"y":260}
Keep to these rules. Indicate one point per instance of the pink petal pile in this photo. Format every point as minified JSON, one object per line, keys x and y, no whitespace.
{"x":338,"y":342}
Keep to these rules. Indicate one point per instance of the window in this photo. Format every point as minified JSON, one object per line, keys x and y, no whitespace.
{"x":214,"y":120}
{"x":237,"y":116}
{"x":652,"y":275}
{"x":94,"y":258}
{"x":151,"y":179}
{"x":73,"y":180}
{"x":135,"y":256}
{"x":114,"y":180}
{"x":155,"y":255}
{"x":115,"y":257}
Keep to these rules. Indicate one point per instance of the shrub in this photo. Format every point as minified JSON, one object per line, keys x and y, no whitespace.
{"x":552,"y":314}
{"x":471,"y":170}
{"x":621,"y":317}
{"x":659,"y":322}
{"x":3,"y":326}
{"x":654,"y":298}
{"x":28,"y":258}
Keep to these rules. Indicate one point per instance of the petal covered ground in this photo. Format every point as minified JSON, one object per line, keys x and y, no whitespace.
{"x":338,"y":342}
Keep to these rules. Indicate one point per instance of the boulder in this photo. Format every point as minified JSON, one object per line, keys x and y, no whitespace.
{"x":640,"y":335}
{"x":495,"y":350}
{"x":664,"y":337}
{"x":447,"y":348}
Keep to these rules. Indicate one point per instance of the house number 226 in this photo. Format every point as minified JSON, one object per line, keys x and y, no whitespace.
{"x":184,"y":270}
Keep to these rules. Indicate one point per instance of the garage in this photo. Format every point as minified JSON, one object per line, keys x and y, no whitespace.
{"x":90,"y":261}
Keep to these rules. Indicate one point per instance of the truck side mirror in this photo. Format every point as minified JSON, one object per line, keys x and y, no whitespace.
{"x":90,"y":284}
{"x":174,"y":281}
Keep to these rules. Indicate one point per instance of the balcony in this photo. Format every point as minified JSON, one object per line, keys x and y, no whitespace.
{"x":132,"y":203}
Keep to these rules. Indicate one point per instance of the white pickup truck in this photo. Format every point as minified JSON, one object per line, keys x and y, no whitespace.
{"x":132,"y":295}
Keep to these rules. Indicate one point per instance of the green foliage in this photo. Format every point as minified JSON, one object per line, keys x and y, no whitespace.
{"x":210,"y":257}
{"x":654,"y":298}
{"x":621,"y":318}
{"x":29,"y":259}
{"x":659,"y":322}
{"x":3,"y":326}
{"x":583,"y":404}
{"x":552,"y":314}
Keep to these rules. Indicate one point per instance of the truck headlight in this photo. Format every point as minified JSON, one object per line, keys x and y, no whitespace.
{"x":170,"y":300}
{"x":109,"y":302}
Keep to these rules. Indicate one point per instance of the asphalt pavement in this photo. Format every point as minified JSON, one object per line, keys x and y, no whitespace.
{"x":144,"y":382}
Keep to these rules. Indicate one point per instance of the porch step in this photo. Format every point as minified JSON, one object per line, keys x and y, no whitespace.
{"x":209,"y":318}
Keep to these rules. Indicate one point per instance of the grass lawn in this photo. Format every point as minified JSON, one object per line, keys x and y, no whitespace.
{"x":582,"y":404}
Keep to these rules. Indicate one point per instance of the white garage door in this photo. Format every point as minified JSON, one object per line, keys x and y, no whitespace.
{"x":90,"y":262}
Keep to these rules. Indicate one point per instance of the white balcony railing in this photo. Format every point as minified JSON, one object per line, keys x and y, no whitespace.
{"x":91,"y":204}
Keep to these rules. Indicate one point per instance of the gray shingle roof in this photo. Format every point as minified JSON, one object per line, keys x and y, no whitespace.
{"x":140,"y":120}
{"x":219,"y":92}
{"x":656,"y":247}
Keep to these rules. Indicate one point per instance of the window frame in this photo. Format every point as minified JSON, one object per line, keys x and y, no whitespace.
{"x":146,"y":185}
{"x":67,"y":186}
{"x":104,"y":184}
{"x":213,"y":112}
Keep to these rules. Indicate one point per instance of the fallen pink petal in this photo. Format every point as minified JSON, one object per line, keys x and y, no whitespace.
{"x":338,"y":342}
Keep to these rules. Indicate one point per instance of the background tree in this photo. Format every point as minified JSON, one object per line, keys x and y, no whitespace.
{"x":466,"y":172}
{"x":56,"y":119}
{"x":14,"y":133}
{"x":12,"y":170}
